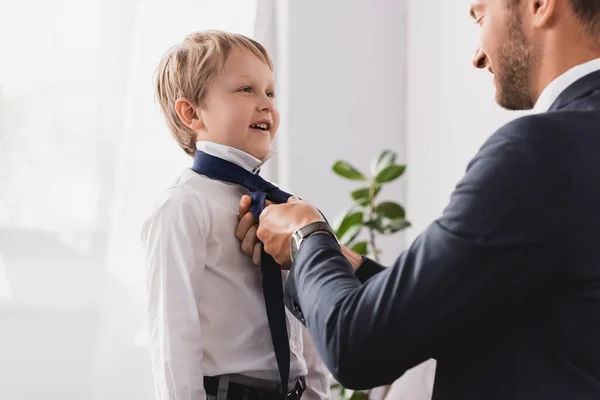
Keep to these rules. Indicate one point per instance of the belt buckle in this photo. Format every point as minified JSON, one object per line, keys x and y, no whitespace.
{"x":296,"y":393}
{"x":293,"y":395}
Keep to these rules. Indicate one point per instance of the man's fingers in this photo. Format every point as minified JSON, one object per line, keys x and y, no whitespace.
{"x":246,"y":222}
{"x":283,"y":262}
{"x":257,"y":253}
{"x":267,"y":211}
{"x":244,"y":206}
{"x":245,"y":203}
{"x":250,"y":240}
{"x":261,"y":231}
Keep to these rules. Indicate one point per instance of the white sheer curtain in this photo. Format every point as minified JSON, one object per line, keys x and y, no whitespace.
{"x":84,"y":153}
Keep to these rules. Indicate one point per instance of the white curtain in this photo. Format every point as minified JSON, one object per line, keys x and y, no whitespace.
{"x":84,"y":153}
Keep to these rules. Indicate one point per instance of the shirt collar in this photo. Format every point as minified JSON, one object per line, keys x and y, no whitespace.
{"x":558,"y":85}
{"x":231,"y":154}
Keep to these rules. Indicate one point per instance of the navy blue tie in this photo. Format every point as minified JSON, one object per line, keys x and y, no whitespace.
{"x":261,"y":190}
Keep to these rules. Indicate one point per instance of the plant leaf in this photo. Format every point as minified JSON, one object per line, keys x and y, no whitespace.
{"x":360,"y":247}
{"x":385,"y":159}
{"x":390,"y":210}
{"x":345,"y":170}
{"x":337,"y":222}
{"x":361,"y":196}
{"x":376,"y":224}
{"x":390,"y":173}
{"x":350,"y":220}
{"x":396,"y":225}
{"x":357,"y":395}
{"x":350,"y":234}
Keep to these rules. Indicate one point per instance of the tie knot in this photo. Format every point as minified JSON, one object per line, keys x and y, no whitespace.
{"x":257,"y":184}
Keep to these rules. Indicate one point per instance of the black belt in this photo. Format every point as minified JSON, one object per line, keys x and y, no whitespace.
{"x":237,"y":391}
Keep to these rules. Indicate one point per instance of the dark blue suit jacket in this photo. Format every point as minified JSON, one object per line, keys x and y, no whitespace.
{"x":503,"y":290}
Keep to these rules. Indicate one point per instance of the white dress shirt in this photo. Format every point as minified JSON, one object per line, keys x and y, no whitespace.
{"x":206,"y":307}
{"x":558,"y":85}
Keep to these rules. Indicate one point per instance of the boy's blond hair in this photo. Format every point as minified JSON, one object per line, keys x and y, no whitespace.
{"x":187,"y":69}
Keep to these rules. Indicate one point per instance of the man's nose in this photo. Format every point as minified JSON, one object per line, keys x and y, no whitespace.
{"x":480,"y":59}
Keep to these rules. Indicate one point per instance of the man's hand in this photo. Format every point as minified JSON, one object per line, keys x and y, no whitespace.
{"x":276,"y":228}
{"x":279,"y":222}
{"x":246,"y":233}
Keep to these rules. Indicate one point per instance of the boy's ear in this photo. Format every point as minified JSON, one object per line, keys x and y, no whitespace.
{"x":186,"y":110}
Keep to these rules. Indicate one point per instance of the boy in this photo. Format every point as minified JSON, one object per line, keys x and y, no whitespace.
{"x":209,"y":333}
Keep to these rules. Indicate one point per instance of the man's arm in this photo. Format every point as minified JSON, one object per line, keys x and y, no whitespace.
{"x":499,"y":241}
{"x":174,"y":244}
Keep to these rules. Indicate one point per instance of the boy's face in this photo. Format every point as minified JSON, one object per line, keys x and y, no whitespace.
{"x":239,"y":108}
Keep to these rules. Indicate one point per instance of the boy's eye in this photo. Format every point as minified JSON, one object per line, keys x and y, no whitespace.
{"x":271,"y":94}
{"x":246,"y":89}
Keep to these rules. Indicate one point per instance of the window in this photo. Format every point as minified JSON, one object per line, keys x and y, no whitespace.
{"x":84,"y":152}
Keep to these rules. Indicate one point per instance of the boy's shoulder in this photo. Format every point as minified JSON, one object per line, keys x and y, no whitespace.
{"x":193,"y":192}
{"x":185,"y":199}
{"x":186,"y":192}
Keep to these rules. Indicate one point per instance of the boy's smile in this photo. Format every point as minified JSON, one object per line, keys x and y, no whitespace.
{"x":263,"y":125}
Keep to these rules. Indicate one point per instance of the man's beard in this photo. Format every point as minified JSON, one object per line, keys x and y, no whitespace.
{"x":514,"y":71}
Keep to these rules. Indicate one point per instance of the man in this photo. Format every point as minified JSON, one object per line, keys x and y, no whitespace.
{"x":503,"y":290}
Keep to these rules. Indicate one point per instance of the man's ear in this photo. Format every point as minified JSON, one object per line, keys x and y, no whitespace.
{"x":186,"y":110}
{"x":542,"y":11}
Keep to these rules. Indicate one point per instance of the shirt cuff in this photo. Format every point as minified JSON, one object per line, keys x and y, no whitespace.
{"x":367,"y":269}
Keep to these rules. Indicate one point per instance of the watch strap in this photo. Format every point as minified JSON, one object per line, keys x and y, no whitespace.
{"x":319,"y":226}
{"x":306,"y":231}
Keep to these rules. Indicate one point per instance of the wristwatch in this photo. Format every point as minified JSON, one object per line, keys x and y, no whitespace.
{"x":301,"y":234}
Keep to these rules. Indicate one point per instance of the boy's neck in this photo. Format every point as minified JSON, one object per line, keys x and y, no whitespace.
{"x":234,"y":155}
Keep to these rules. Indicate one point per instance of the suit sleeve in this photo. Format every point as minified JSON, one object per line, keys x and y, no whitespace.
{"x":499,"y":241}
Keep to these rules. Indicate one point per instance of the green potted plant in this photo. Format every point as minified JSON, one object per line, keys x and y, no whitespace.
{"x":367,"y":216}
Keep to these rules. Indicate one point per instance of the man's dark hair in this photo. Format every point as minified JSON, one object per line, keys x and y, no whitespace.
{"x":586,"y":11}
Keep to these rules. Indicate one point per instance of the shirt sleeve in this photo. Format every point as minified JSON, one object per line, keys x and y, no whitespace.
{"x":174,"y":241}
{"x":318,"y":376}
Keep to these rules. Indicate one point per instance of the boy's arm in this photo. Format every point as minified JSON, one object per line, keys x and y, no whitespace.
{"x":175,"y":248}
{"x":317,"y":378}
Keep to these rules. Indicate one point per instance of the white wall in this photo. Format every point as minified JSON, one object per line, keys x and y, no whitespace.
{"x":344,"y":61}
{"x":362,"y":76}
{"x":450,"y":105}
